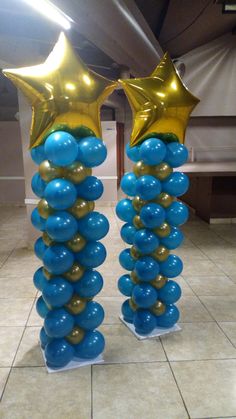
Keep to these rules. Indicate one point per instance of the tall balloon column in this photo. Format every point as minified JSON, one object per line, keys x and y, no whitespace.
{"x":65,"y":144}
{"x":152,"y":217}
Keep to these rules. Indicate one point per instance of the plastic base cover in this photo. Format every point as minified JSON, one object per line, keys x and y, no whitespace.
{"x":158,"y":331}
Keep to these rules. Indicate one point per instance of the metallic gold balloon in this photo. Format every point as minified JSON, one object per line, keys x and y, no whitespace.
{"x":76,"y":172}
{"x":62,"y":90}
{"x":47,"y":239}
{"x":91,"y":205}
{"x":76,"y":304}
{"x":141,"y":169}
{"x":160,"y":102}
{"x":138,"y":203}
{"x":134,"y":278}
{"x":75,"y":273}
{"x":160,"y":253}
{"x":161,"y":171}
{"x":80,"y":208}
{"x":47,"y":274}
{"x":164,"y":199}
{"x":135,"y":253}
{"x":76,"y":336}
{"x":137,"y":222}
{"x":44,"y":208}
{"x":162,"y":231}
{"x":159,"y":282}
{"x":76,"y":243}
{"x":48,"y":171}
{"x":158,"y":308}
{"x":132,"y":304}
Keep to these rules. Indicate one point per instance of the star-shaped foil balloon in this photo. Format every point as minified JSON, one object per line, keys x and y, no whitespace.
{"x":62,"y":92}
{"x":160,"y":103}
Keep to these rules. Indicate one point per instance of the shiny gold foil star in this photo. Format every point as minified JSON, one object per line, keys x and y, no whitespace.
{"x":160,"y":103}
{"x":62,"y":91}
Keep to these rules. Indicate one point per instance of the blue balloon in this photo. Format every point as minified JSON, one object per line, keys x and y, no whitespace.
{"x":152,"y":215}
{"x":125,"y":285}
{"x":127,"y":233}
{"x":59,"y":353}
{"x":61,"y":226}
{"x":40,"y":248}
{"x":170,"y":293}
{"x":38,"y":185}
{"x":152,"y":151}
{"x":148,"y":187}
{"x":126,"y":260}
{"x":91,"y":346}
{"x":58,"y":259}
{"x":177,"y":214}
{"x":144,"y":295}
{"x":169,"y":318}
{"x":127,"y":312}
{"x":92,"y":255}
{"x":145,"y":241}
{"x":44,"y":338}
{"x":57,"y":292}
{"x":176,"y":154}
{"x":125,"y":210}
{"x":42,"y":308}
{"x":91,"y":188}
{"x":39,"y":279}
{"x":60,"y":194}
{"x":58,"y":323}
{"x":133,"y":153}
{"x":176,"y":184}
{"x":171,"y":267}
{"x":37,"y":221}
{"x":94,"y":226}
{"x":92,"y":151}
{"x":146,"y":268}
{"x":37,"y":154}
{"x":174,"y":239}
{"x":144,"y":322}
{"x":128,"y":184}
{"x":91,"y":317}
{"x":61,"y":148}
{"x":89,"y":285}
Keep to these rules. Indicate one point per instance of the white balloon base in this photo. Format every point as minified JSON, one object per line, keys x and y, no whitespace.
{"x":158,"y":331}
{"x":74,"y":363}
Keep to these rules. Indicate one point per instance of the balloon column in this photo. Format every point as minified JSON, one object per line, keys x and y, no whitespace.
{"x":153,"y":214}
{"x":65,"y":96}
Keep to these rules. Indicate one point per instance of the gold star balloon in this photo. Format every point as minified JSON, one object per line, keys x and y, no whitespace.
{"x":160,"y":103}
{"x":62,"y":92}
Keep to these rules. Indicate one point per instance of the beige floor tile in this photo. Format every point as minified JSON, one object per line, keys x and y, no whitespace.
{"x":198,"y":341}
{"x":110,"y":287}
{"x":190,"y":253}
{"x":219,"y":251}
{"x":136,"y":391}
{"x":29,"y":352}
{"x":185,"y":288}
{"x":191,"y":310}
{"x":200,"y":267}
{"x":223,"y":309}
{"x":34,"y":318}
{"x":228,"y":265}
{"x":122,"y":346}
{"x":14,"y":312}
{"x":4,"y":372}
{"x":211,"y":285}
{"x":230,"y":330}
{"x":208,"y":387}
{"x":35,"y":394}
{"x":9,"y":341}
{"x":112,"y":307}
{"x":17,"y":287}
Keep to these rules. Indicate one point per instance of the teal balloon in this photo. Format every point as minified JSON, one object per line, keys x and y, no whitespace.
{"x":58,"y":323}
{"x":128,"y":232}
{"x":126,"y":260}
{"x":38,"y":185}
{"x":152,"y":215}
{"x":61,"y":148}
{"x":144,"y":295}
{"x":58,"y":259}
{"x":125,"y":210}
{"x":170,"y":293}
{"x":92,"y":255}
{"x":152,"y":151}
{"x":176,"y":154}
{"x":37,"y":154}
{"x":59,"y":353}
{"x":40,"y":248}
{"x":176,"y":184}
{"x":148,"y":187}
{"x":133,"y":153}
{"x":174,"y":239}
{"x":61,"y":226}
{"x":127,"y":312}
{"x":91,"y":188}
{"x":169,"y":318}
{"x":144,"y":322}
{"x":177,"y":214}
{"x":42,"y":308}
{"x":145,"y":241}
{"x":91,"y":151}
{"x":57,"y":292}
{"x":171,"y":267}
{"x":60,"y":194}
{"x":94,"y":226}
{"x":128,"y":184}
{"x":37,"y":221}
{"x":44,"y":338}
{"x":39,"y":279}
{"x":146,"y":268}
{"x":125,"y":285}
{"x":91,"y":317}
{"x":90,"y":284}
{"x":91,"y":346}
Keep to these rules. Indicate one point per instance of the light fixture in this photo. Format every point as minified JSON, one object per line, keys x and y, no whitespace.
{"x":52,"y":12}
{"x":229,"y":6}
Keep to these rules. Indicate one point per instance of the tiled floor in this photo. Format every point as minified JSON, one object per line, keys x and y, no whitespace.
{"x":190,"y":374}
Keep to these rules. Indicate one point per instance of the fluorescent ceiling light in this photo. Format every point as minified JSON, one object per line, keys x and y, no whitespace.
{"x":52,"y":12}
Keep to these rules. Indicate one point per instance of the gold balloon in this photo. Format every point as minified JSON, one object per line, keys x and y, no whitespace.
{"x":135,"y":253}
{"x":132,"y":304}
{"x":137,"y":222}
{"x":162,"y":231}
{"x":47,"y":239}
{"x":48,"y":171}
{"x":76,"y":243}
{"x":76,"y":336}
{"x":80,"y":208}
{"x":138,"y":203}
{"x":141,"y":169}
{"x":158,"y":308}
{"x":77,"y":172}
{"x":91,"y":205}
{"x":134,"y":278}
{"x":44,"y":208}
{"x":164,"y":199}
{"x":47,"y":274}
{"x":75,"y":273}
{"x":76,"y":304}
{"x":159,"y":282}
{"x":62,"y":90}
{"x":160,"y":253}
{"x":162,"y":171}
{"x":160,"y":102}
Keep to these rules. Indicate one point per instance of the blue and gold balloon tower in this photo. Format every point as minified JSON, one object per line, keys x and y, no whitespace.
{"x":66,"y":98}
{"x":161,"y":106}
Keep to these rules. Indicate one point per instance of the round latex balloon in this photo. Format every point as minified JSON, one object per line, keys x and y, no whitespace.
{"x":91,"y":317}
{"x":40,"y":248}
{"x":91,"y":151}
{"x":169,"y":318}
{"x":58,"y":259}
{"x":61,"y":226}
{"x":38,"y":154}
{"x":141,"y":169}
{"x":38,"y":185}
{"x":76,"y":172}
{"x":133,"y":153}
{"x":58,"y":323}
{"x":94,"y":226}
{"x":92,"y":255}
{"x":44,"y":338}
{"x":176,"y":154}
{"x":128,"y":184}
{"x":91,"y":346}
{"x":152,"y":151}
{"x":171,"y":267}
{"x":145,"y":241}
{"x":127,"y":312}
{"x":152,"y":215}
{"x":57,"y":292}
{"x":174,"y":239}
{"x":126,"y":260}
{"x":125,"y":210}
{"x":127,"y":233}
{"x":144,"y":295}
{"x":60,"y":194}
{"x":59,"y":353}
{"x":176,"y":184}
{"x":125,"y":285}
{"x":91,"y":188}
{"x":61,"y":148}
{"x":170,"y":293}
{"x":39,"y":279}
{"x":48,"y":171}
{"x":37,"y":221}
{"x":146,"y":268}
{"x":144,"y":322}
{"x":89,"y":285}
{"x":41,"y":307}
{"x":177,"y":213}
{"x":148,"y":187}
